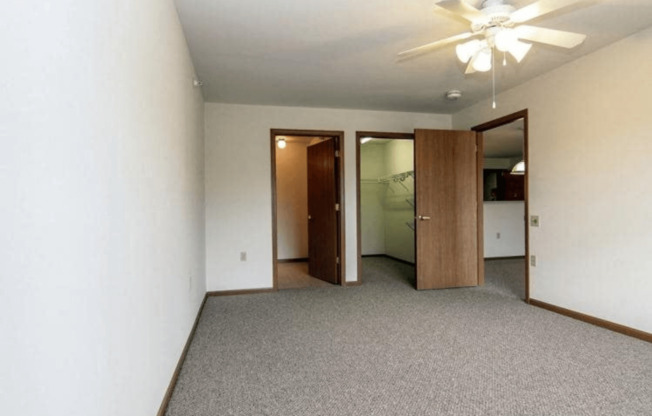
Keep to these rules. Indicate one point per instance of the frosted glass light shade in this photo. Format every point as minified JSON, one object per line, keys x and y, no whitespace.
{"x":482,"y":60}
{"x":505,"y":40}
{"x":466,"y":50}
{"x":519,"y":168}
{"x":281,"y":143}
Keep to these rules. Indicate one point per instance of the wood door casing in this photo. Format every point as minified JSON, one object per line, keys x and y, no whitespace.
{"x":446,"y":206}
{"x":323,"y":236}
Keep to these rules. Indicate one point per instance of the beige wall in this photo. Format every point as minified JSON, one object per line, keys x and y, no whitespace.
{"x":292,"y":199}
{"x":590,"y":168}
{"x":237,"y":157}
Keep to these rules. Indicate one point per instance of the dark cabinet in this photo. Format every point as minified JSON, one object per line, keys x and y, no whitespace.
{"x":514,"y":187}
{"x":501,"y":185}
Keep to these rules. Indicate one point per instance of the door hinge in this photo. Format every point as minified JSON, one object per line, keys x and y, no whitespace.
{"x":337,"y":153}
{"x":337,"y":207}
{"x":337,"y":260}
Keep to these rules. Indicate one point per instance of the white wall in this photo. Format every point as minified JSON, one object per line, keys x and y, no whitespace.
{"x":101,"y":172}
{"x":504,"y":228}
{"x":372,"y":218}
{"x":237,"y":157}
{"x":399,"y":156}
{"x":590,"y":170}
{"x":372,"y":199}
{"x":399,"y":238}
{"x":292,"y":200}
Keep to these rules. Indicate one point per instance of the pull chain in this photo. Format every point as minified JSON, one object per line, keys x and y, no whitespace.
{"x":493,"y":78}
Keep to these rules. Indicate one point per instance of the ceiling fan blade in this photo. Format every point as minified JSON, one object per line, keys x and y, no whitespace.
{"x":430,"y":46}
{"x":461,"y":8}
{"x":550,"y":36}
{"x":539,"y":8}
{"x":469,"y":67}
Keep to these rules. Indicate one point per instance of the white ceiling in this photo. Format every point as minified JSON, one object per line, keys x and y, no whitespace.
{"x":343,"y":53}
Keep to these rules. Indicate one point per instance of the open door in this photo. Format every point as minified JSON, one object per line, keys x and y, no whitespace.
{"x":446,"y":182}
{"x":323,"y":211}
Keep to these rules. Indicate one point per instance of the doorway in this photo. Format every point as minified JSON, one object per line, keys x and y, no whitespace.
{"x":386,"y":198}
{"x":504,"y":144}
{"x":444,"y":209}
{"x":307,"y":219}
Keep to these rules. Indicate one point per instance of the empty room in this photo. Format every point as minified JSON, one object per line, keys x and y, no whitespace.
{"x":229,"y":207}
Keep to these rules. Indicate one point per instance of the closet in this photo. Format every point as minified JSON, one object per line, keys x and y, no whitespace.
{"x":432,"y":177}
{"x":387,"y":198}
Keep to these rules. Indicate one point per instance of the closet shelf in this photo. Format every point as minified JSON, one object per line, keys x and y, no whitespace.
{"x":410,"y":224}
{"x":398,"y":177}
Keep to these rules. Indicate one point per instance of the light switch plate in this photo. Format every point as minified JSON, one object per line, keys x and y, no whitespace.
{"x":534,"y":220}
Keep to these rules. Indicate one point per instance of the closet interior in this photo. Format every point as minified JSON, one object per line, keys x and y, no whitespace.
{"x":387,"y":198}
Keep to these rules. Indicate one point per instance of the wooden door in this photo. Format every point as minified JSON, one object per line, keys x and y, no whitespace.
{"x":323,"y":212}
{"x":446,"y":184}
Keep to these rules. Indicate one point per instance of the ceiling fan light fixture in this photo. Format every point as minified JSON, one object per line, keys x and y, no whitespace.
{"x":500,"y":26}
{"x":519,"y":50}
{"x":482,"y":60}
{"x":465,"y":51}
{"x":505,"y":39}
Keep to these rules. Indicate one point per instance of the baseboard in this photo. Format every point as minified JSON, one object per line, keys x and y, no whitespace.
{"x":177,"y":370}
{"x":400,"y":260}
{"x":299,"y":260}
{"x":240,"y":292}
{"x":642,"y":335}
{"x":387,"y":256}
{"x":356,"y":283}
{"x":505,"y":258}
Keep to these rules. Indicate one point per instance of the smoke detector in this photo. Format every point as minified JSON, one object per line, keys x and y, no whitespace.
{"x":453,"y":95}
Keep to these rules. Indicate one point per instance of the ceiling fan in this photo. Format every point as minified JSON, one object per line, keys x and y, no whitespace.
{"x":499,"y":26}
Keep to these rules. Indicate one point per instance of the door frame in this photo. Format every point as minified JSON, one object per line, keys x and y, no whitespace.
{"x":338,"y":136}
{"x":492,"y":125}
{"x":359,"y":135}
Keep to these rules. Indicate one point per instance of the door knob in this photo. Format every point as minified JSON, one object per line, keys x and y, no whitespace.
{"x":423,"y":218}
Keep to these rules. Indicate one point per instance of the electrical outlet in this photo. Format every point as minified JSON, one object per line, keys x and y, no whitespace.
{"x":533,"y":260}
{"x":534,"y":220}
{"x":243,"y":256}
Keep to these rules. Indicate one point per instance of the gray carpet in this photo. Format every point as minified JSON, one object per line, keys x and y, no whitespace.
{"x":385,"y":349}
